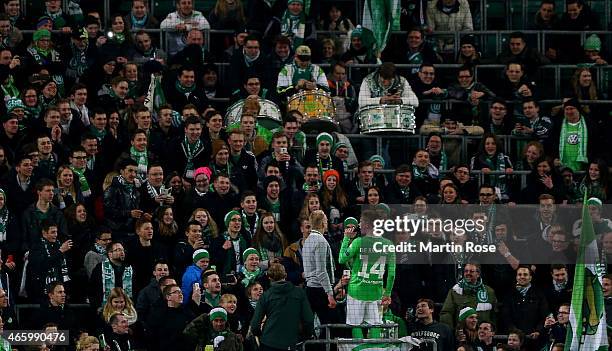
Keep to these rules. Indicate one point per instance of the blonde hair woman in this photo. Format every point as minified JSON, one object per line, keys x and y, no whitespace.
{"x":119,"y":302}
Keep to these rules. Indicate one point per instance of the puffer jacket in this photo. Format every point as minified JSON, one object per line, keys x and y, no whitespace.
{"x":458,"y":20}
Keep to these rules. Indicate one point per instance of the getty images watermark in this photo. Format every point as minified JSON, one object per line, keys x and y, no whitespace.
{"x":411,"y":225}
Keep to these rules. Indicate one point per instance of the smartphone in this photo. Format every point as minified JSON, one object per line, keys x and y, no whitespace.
{"x":346,"y":272}
{"x":228,"y":279}
{"x":196,"y":286}
{"x":283,"y":150}
{"x":392,"y":91}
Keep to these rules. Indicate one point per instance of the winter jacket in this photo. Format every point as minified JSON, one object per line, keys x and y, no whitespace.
{"x":284,"y":306}
{"x":192,"y":275}
{"x":459,"y":19}
{"x":119,"y":200}
{"x":458,"y":298}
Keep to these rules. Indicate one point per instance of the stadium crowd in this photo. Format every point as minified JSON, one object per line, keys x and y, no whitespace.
{"x":154,"y":199}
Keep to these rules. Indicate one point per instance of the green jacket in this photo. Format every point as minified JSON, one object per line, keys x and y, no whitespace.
{"x":284,"y":306}
{"x":455,"y":302}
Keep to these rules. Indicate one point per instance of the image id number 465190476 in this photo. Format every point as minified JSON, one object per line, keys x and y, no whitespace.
{"x":36,"y":337}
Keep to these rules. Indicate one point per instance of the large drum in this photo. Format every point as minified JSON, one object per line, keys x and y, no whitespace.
{"x":387,"y":118}
{"x":269,"y":114}
{"x":318,"y":109}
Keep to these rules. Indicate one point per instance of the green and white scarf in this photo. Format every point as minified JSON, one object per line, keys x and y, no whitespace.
{"x":377,"y":90}
{"x":239,"y":244}
{"x":99,"y":134}
{"x":294,"y":27}
{"x":53,"y":272}
{"x":523,"y":289}
{"x":249,"y":277}
{"x":190,"y":150}
{"x":429,"y":172}
{"x":4,"y":216}
{"x":496,"y":162}
{"x":213,"y":301}
{"x":5,"y":345}
{"x":583,"y":140}
{"x":78,"y":62}
{"x":108,"y":279}
{"x":58,"y":21}
{"x":478,"y":289}
{"x":141,"y":157}
{"x":183,"y":89}
{"x":85,"y":189}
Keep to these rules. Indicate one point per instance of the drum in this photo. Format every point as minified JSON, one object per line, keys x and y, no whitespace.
{"x":318,"y":109}
{"x":387,"y":118}
{"x":269,"y":114}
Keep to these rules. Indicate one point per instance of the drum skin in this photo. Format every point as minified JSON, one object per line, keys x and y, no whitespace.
{"x":269,"y":114}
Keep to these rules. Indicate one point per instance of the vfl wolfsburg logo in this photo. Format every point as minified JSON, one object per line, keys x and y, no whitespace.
{"x":482,"y":295}
{"x":573,"y":139}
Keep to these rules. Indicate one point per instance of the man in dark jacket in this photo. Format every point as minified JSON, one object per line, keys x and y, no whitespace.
{"x":47,"y":262}
{"x":183,"y":90}
{"x":205,"y":329}
{"x":55,"y":310}
{"x":401,"y":190}
{"x":122,"y":200}
{"x":39,"y":211}
{"x":188,"y":153}
{"x":526,"y":306}
{"x":248,"y":61}
{"x":284,"y":306}
{"x":518,"y":52}
{"x":151,"y":296}
{"x":166,"y":323}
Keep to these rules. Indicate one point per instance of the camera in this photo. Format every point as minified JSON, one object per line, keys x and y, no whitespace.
{"x":283,"y":150}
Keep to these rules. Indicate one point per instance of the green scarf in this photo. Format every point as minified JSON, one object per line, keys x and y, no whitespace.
{"x":82,"y":180}
{"x":583,"y":140}
{"x":183,"y":89}
{"x":128,"y":186}
{"x":78,"y":62}
{"x":212,"y":301}
{"x":443,"y":161}
{"x":119,"y":37}
{"x":108,"y":279}
{"x":32,"y":112}
{"x":478,"y":289}
{"x":142,"y":158}
{"x":496,"y":162}
{"x":377,"y":90}
{"x":190,"y":150}
{"x":293,"y":26}
{"x":249,"y":277}
{"x":5,"y":345}
{"x":99,"y":134}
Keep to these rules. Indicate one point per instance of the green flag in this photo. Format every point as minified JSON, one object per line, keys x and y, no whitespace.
{"x":381,"y":17}
{"x":587,"y":321}
{"x":155,"y":95}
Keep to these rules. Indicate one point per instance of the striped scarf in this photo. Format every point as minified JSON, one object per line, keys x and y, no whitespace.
{"x":108,"y":279}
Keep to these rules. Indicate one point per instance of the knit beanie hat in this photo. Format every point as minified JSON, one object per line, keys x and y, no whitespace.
{"x":202,"y":170}
{"x":13,"y":104}
{"x":229,"y":215}
{"x":329,"y":173}
{"x":325,"y":137}
{"x":40,"y":34}
{"x":379,"y":159}
{"x":217,"y":312}
{"x":466,"y":312}
{"x":337,"y":146}
{"x":592,"y":43}
{"x":467,"y":40}
{"x":594,"y":201}
{"x":249,"y":251}
{"x":199,"y":254}
{"x":350,"y":220}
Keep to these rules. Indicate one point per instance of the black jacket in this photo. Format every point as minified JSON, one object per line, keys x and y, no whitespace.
{"x":176,"y":159}
{"x":119,"y":200}
{"x":165,"y":327}
{"x":526,"y":313}
{"x":244,"y":171}
{"x":178,"y":100}
{"x":393,"y":194}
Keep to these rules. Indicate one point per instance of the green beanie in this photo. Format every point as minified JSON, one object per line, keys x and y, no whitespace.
{"x":217,"y":312}
{"x":40,"y":34}
{"x":13,"y":104}
{"x":351,"y":220}
{"x":325,"y":137}
{"x":298,"y":1}
{"x":228,"y":217}
{"x":249,"y":251}
{"x":379,"y":159}
{"x":199,"y":254}
{"x":466,"y":312}
{"x":592,"y":43}
{"x":594,"y":201}
{"x":337,"y":146}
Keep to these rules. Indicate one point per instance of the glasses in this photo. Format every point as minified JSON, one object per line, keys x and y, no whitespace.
{"x":176,"y":292}
{"x":486,"y":194}
{"x":80,"y":157}
{"x":235,"y":220}
{"x":303,"y":57}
